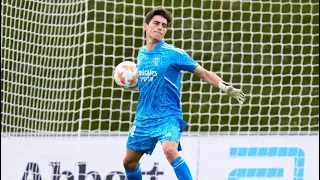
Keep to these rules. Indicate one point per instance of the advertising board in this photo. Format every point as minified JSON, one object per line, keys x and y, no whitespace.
{"x":211,"y":157}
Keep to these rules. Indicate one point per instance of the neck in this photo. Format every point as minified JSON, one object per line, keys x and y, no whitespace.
{"x":151,"y":44}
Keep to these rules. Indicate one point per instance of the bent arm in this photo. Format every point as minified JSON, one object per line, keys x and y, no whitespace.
{"x":207,"y":76}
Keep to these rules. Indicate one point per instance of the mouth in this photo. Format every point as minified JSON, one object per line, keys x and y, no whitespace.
{"x":159,"y":33}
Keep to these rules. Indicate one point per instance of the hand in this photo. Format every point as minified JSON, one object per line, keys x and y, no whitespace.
{"x":236,"y":93}
{"x":233,"y":92}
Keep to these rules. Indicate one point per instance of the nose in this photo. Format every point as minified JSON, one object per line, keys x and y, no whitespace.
{"x":160,"y":27}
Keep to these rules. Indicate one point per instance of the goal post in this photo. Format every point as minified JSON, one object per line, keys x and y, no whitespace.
{"x":57,"y":59}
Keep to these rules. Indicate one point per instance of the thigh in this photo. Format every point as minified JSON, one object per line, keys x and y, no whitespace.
{"x":139,"y":140}
{"x":169,"y":130}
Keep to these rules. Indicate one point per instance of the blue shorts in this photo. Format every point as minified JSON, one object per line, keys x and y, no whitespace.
{"x":144,"y":137}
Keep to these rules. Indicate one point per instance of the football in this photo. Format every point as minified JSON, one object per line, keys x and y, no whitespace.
{"x":126,"y":74}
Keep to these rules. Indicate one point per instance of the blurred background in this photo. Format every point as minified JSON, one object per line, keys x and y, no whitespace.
{"x":57,"y":61}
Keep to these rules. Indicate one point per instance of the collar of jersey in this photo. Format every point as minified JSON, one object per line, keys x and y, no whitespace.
{"x":158,"y":46}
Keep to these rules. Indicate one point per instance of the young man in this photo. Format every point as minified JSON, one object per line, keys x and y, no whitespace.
{"x":158,"y":115}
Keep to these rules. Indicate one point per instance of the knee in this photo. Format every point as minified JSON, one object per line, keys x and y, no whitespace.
{"x":129,"y":164}
{"x":171,"y":153}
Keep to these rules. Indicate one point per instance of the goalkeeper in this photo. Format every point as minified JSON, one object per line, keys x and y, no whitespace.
{"x":158,"y":115}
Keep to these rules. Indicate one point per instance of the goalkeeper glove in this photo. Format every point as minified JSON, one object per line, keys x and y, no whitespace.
{"x":233,"y":92}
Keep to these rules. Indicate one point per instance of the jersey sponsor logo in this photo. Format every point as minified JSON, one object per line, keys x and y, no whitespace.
{"x":147,"y":75}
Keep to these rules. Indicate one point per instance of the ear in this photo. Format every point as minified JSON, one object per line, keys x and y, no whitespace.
{"x":145,"y":25}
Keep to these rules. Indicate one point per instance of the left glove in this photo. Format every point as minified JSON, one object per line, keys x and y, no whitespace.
{"x":233,"y":92}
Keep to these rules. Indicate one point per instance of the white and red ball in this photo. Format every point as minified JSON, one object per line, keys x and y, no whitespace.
{"x":126,"y":74}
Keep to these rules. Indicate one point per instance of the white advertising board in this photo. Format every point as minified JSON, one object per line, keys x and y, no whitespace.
{"x":260,"y":157}
{"x":214,"y":157}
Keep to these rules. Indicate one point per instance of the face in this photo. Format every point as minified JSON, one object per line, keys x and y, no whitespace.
{"x":157,"y":28}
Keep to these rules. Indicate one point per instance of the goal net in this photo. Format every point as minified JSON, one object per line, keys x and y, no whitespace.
{"x":57,"y":59}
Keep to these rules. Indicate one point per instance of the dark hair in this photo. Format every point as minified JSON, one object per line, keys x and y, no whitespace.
{"x":159,"y":12}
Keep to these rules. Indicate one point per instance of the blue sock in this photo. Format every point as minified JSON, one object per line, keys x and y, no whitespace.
{"x":181,"y":169}
{"x":134,"y":174}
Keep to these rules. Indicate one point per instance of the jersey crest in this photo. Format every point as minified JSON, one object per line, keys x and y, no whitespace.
{"x":156,"y":61}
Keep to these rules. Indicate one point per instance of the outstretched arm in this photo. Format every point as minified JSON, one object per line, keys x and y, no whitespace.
{"x":214,"y":80}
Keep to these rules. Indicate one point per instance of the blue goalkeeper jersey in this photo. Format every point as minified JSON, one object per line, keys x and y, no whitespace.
{"x":159,"y":81}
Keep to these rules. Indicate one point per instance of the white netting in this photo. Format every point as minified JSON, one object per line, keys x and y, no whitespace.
{"x":58,"y":57}
{"x":41,"y":65}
